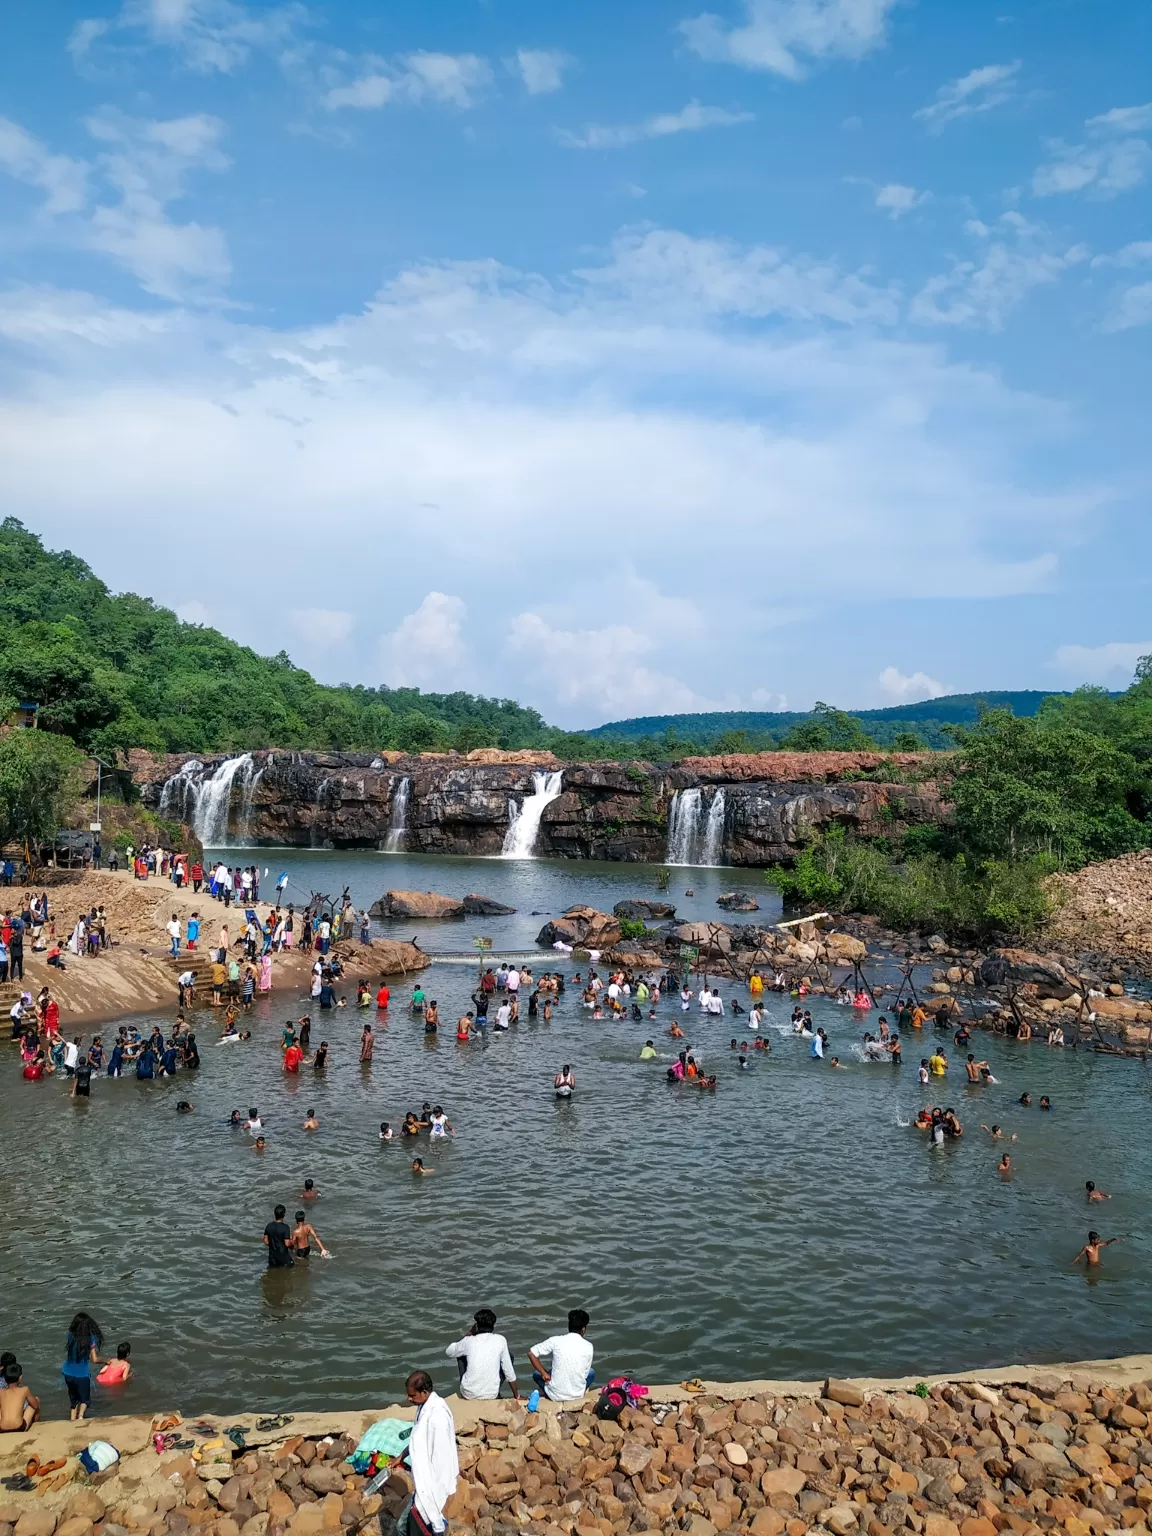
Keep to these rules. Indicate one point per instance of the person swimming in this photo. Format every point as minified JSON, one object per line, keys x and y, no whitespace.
{"x":1093,"y":1193}
{"x":648,"y":1053}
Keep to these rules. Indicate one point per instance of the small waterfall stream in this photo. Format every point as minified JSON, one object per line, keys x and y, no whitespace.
{"x":524,"y":818}
{"x":693,"y":838}
{"x":398,"y":821}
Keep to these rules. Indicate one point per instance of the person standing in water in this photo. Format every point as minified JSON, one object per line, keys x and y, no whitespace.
{"x":1090,"y":1252}
{"x":564,"y":1082}
{"x":367,"y":1042}
{"x":304,"y":1234}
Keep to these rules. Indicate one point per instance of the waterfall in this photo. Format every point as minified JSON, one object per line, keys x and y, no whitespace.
{"x":713,"y":850}
{"x":683,"y":820}
{"x":318,"y":804}
{"x":524,"y":819}
{"x":211,"y":799}
{"x":398,"y":821}
{"x":694,"y":839}
{"x":179,"y":789}
{"x":247,"y":798}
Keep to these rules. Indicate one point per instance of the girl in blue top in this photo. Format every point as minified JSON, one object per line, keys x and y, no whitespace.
{"x":84,"y":1339}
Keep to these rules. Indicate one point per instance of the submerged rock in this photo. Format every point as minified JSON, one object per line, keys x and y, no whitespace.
{"x":416,"y":904}
{"x":738,"y":901}
{"x":642,"y":907}
{"x":484,"y":906}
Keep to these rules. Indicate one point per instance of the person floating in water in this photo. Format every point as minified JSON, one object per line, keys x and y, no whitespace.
{"x":996,"y":1133}
{"x":1090,"y":1252}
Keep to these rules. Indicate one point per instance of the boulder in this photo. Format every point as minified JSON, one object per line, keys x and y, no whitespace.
{"x":738,"y":901}
{"x":641,"y":907}
{"x":424,"y":904}
{"x":705,"y":935}
{"x":1020,"y":966}
{"x":582,"y":926}
{"x":842,"y":946}
{"x":484,"y":906}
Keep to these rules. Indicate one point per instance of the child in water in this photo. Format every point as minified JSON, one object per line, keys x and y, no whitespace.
{"x":116,"y":1371}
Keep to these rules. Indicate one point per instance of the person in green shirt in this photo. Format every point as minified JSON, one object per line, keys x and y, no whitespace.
{"x":649,"y":1051}
{"x":418,"y":998}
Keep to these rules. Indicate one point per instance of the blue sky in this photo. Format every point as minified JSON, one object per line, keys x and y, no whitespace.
{"x":620,"y":359}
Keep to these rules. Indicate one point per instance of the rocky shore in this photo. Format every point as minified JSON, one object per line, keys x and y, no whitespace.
{"x":1024,"y":1450}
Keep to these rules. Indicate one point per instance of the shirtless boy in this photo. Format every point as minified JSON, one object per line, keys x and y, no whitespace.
{"x":19,"y":1408}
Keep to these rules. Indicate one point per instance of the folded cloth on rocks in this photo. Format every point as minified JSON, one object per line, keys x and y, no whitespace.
{"x":387,"y":1437}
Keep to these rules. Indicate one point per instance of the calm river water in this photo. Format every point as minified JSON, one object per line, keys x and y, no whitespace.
{"x":792,"y":1224}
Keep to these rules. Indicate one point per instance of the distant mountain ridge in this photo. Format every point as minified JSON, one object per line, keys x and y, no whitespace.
{"x":950,"y":709}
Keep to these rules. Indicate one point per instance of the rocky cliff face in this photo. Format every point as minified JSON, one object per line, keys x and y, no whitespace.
{"x":716,"y":811}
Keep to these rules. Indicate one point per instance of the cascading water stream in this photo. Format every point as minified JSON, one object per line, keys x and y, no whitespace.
{"x":693,"y":838}
{"x":713,"y":849}
{"x":398,"y":821}
{"x":683,"y":820}
{"x":212,"y":799}
{"x":180,"y":789}
{"x":524,"y":818}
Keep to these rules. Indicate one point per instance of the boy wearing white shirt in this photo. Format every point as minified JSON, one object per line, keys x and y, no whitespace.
{"x":485,"y":1357}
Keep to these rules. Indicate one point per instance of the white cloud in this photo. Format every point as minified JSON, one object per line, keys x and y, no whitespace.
{"x":718,"y":277}
{"x":23,"y":156}
{"x":323,"y":626}
{"x":542,"y":69}
{"x":1123,"y":119}
{"x":983,"y":292}
{"x":147,"y":164}
{"x":1133,"y":308}
{"x":910,"y":689}
{"x":980,"y":90}
{"x":783,"y":36}
{"x":897,"y":200}
{"x":447,"y":79}
{"x":1111,"y":663}
{"x":211,"y":36}
{"x":683,"y":396}
{"x":1104,"y":167}
{"x":688,"y":120}
{"x":426,"y":649}
{"x":1134,"y":255}
{"x":601,"y":671}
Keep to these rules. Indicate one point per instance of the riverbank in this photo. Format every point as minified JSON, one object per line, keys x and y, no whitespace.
{"x":136,"y":973}
{"x":1023,"y":1449}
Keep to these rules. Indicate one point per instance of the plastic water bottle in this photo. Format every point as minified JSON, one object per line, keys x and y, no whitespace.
{"x":534,"y":1400}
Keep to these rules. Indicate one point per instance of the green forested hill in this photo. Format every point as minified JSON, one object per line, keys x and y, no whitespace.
{"x":765,"y":729}
{"x":118,"y":672}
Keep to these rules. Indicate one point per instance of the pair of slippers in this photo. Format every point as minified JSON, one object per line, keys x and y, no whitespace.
{"x":276,"y":1421}
{"x":38,"y":1468}
{"x":18,"y":1482}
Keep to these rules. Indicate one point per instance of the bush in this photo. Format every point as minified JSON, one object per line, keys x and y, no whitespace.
{"x":909,"y":888}
{"x":633,"y":928}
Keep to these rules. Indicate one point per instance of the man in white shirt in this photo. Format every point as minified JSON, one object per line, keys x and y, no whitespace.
{"x":71,"y":1055}
{"x":173,"y":928}
{"x":716,"y":1004}
{"x":571,"y":1353}
{"x":431,"y":1456}
{"x":513,"y":982}
{"x":503,"y":1016}
{"x":702,"y":998}
{"x":484,"y":1359}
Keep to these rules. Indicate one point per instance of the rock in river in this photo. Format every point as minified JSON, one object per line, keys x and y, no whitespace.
{"x":484,"y":906}
{"x":417,"y":904}
{"x":738,"y":901}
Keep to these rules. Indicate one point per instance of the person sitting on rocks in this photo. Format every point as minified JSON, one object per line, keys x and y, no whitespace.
{"x":19,"y":1408}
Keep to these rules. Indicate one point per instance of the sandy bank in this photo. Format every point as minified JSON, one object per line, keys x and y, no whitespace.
{"x":136,"y":973}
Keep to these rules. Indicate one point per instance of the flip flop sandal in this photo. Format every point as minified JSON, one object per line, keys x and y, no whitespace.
{"x":19,"y":1482}
{"x":202,"y":1427}
{"x":236,"y":1435}
{"x":182,"y":1445}
{"x":165,"y":1421}
{"x":277,"y":1421}
{"x":51,"y":1466}
{"x":693,"y":1384}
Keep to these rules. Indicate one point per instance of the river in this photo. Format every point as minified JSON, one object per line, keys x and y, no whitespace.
{"x":791,"y":1224}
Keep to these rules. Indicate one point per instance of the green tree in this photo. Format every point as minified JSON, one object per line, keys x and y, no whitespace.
{"x":418,"y":732}
{"x":39,"y":783}
{"x":1022,"y":787}
{"x":830,"y":730}
{"x":908,"y":741}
